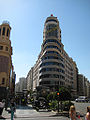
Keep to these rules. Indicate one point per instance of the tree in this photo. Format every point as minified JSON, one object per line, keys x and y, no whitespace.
{"x":50,"y":96}
{"x":62,"y":95}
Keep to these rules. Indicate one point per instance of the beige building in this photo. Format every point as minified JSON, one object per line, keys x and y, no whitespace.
{"x":36,"y":74}
{"x":54,"y":67}
{"x":5,"y":55}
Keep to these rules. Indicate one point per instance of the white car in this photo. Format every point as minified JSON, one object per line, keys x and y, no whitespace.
{"x":82,"y":99}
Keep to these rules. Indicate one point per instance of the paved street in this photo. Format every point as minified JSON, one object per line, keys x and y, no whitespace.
{"x":28,"y":113}
{"x":81,"y":107}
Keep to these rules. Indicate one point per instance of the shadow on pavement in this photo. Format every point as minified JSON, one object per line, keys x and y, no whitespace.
{"x":66,"y":114}
{"x":24,"y":107}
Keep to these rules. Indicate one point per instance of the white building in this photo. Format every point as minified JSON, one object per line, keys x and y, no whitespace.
{"x":17,"y":87}
{"x":22,"y":84}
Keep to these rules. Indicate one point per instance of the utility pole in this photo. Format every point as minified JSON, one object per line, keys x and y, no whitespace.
{"x":58,"y":101}
{"x":58,"y":94}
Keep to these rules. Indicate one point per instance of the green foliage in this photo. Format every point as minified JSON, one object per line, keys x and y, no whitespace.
{"x":64,"y":94}
{"x":53,"y":105}
{"x":51,"y":96}
{"x":66,"y":105}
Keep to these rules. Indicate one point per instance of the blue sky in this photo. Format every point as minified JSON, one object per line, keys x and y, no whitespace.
{"x":27,"y":19}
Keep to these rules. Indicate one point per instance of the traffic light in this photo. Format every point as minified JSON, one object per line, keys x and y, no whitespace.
{"x":58,"y":93}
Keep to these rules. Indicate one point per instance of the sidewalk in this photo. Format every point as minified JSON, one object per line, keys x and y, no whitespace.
{"x":21,"y":111}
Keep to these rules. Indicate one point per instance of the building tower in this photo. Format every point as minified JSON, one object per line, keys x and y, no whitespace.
{"x":56,"y":67}
{"x":5,"y":55}
{"x":52,"y":68}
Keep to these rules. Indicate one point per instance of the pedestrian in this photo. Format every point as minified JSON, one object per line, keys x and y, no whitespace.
{"x":87,"y":117}
{"x":2,"y":103}
{"x":7,"y":101}
{"x":13,"y":108}
{"x":72,"y":113}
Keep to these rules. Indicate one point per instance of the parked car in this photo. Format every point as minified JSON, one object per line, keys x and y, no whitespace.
{"x":82,"y":99}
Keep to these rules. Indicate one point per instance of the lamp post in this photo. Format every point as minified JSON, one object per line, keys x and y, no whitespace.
{"x":58,"y":94}
{"x":58,"y":100}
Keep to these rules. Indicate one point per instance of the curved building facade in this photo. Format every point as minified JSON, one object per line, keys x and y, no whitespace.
{"x":5,"y":55}
{"x":56,"y":67}
{"x":52,"y":68}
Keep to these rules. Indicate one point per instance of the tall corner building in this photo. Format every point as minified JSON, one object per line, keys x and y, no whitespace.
{"x":56,"y":68}
{"x":5,"y":55}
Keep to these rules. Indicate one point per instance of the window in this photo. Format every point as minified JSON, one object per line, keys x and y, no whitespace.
{"x":3,"y":80}
{"x":52,"y":30}
{"x":6,"y":48}
{"x":0,"y":31}
{"x":51,"y":20}
{"x":7,"y":32}
{"x":52,"y":46}
{"x":52,"y":52}
{"x":1,"y":47}
{"x":4,"y":61}
{"x":52,"y":63}
{"x":44,"y":82}
{"x":51,"y":40}
{"x":3,"y":31}
{"x":51,"y":76}
{"x":51,"y":57}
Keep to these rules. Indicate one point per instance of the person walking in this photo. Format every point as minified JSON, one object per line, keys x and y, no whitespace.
{"x":2,"y":103}
{"x":13,"y":108}
{"x":72,"y":113}
{"x":87,"y":117}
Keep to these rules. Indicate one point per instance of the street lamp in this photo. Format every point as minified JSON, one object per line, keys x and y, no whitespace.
{"x":58,"y":96}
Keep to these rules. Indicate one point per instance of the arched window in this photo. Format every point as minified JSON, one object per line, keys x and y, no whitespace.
{"x":0,"y":31}
{"x":3,"y":31}
{"x":6,"y":48}
{"x":3,"y":80}
{"x":1,"y":47}
{"x":8,"y":32}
